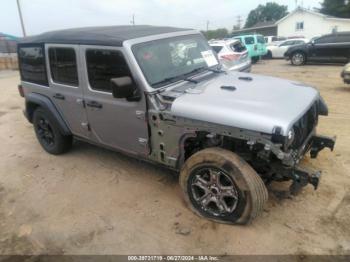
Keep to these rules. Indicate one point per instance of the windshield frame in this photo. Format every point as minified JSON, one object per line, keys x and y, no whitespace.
{"x":180,"y":77}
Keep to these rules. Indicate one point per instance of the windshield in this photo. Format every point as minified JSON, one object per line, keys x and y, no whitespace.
{"x":172,"y":59}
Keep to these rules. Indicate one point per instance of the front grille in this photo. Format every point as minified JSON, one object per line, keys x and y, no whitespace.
{"x":304,"y":126}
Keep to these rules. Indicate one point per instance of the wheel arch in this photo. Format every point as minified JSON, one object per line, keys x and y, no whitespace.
{"x":193,"y":142}
{"x":34,"y":100}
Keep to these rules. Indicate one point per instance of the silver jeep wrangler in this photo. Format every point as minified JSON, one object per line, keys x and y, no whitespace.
{"x":159,"y":94}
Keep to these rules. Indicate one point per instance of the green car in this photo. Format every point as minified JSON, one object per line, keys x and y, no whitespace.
{"x":255,"y":44}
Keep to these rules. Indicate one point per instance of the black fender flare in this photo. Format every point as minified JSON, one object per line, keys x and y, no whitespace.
{"x":34,"y":100}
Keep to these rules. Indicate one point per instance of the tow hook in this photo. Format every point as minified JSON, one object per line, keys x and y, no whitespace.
{"x":319,"y":143}
{"x":314,"y":179}
{"x":302,"y":178}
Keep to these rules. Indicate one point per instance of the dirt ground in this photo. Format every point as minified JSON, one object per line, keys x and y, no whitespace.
{"x":94,"y":201}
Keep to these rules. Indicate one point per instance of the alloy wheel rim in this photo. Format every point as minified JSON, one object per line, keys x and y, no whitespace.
{"x":214,"y":191}
{"x":298,"y":59}
{"x":45,"y":132}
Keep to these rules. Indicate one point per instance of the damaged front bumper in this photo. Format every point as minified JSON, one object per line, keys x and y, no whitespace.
{"x":318,"y":143}
{"x":301,"y":176}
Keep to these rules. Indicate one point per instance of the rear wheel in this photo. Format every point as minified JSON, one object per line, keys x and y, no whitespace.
{"x":255,"y":59}
{"x":298,"y":59}
{"x":268,"y":55}
{"x":48,"y":133}
{"x":221,"y":186}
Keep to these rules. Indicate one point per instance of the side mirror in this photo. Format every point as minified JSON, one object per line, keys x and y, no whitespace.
{"x":313,"y":42}
{"x":124,"y":87}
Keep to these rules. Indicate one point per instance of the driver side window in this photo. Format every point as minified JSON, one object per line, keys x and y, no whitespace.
{"x":102,"y":65}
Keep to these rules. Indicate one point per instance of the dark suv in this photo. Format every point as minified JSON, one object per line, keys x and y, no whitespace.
{"x":333,"y":48}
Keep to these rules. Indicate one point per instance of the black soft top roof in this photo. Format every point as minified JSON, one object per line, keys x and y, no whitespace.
{"x":104,"y":35}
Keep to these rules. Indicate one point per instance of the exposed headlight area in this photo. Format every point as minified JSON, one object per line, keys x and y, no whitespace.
{"x":290,"y":137}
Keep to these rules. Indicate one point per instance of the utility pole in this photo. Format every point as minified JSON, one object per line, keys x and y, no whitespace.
{"x":21,"y":17}
{"x":239,"y":22}
{"x":207,"y":25}
{"x":133,"y":19}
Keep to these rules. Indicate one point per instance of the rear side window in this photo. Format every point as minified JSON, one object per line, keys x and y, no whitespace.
{"x":260,"y":39}
{"x":287,"y":43}
{"x":102,"y":66}
{"x":238,"y":47}
{"x":63,"y":66}
{"x":343,"y":38}
{"x":32,"y":64}
{"x":249,"y":40}
{"x":326,"y":39}
{"x":217,"y":48}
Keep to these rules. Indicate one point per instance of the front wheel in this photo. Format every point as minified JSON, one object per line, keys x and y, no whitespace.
{"x":298,"y":59}
{"x":221,"y":186}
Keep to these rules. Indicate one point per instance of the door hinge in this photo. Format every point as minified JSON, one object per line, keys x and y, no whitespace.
{"x":143,"y":141}
{"x":85,"y":125}
{"x":140,"y":115}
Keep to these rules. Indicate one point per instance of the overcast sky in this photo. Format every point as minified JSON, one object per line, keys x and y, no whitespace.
{"x":45,"y":15}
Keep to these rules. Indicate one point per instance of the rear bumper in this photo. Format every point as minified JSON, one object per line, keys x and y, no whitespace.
{"x":247,"y":68}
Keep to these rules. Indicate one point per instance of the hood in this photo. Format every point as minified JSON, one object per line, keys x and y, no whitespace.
{"x":260,"y":103}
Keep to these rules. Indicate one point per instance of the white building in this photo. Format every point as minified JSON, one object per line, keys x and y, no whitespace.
{"x":307,"y":23}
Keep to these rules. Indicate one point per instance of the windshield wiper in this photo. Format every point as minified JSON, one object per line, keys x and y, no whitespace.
{"x":215,"y":70}
{"x":167,"y":80}
{"x":184,"y":77}
{"x":204,"y":68}
{"x":190,"y":80}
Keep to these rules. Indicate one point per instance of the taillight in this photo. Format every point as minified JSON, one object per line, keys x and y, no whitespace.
{"x":231,"y":57}
{"x":20,"y":90}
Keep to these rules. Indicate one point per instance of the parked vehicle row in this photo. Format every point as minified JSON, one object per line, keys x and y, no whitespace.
{"x":274,"y":40}
{"x":159,"y":94}
{"x":332,"y":48}
{"x":278,"y":51}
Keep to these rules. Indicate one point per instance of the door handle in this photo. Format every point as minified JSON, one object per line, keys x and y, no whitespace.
{"x":94,"y":104}
{"x":59,"y":96}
